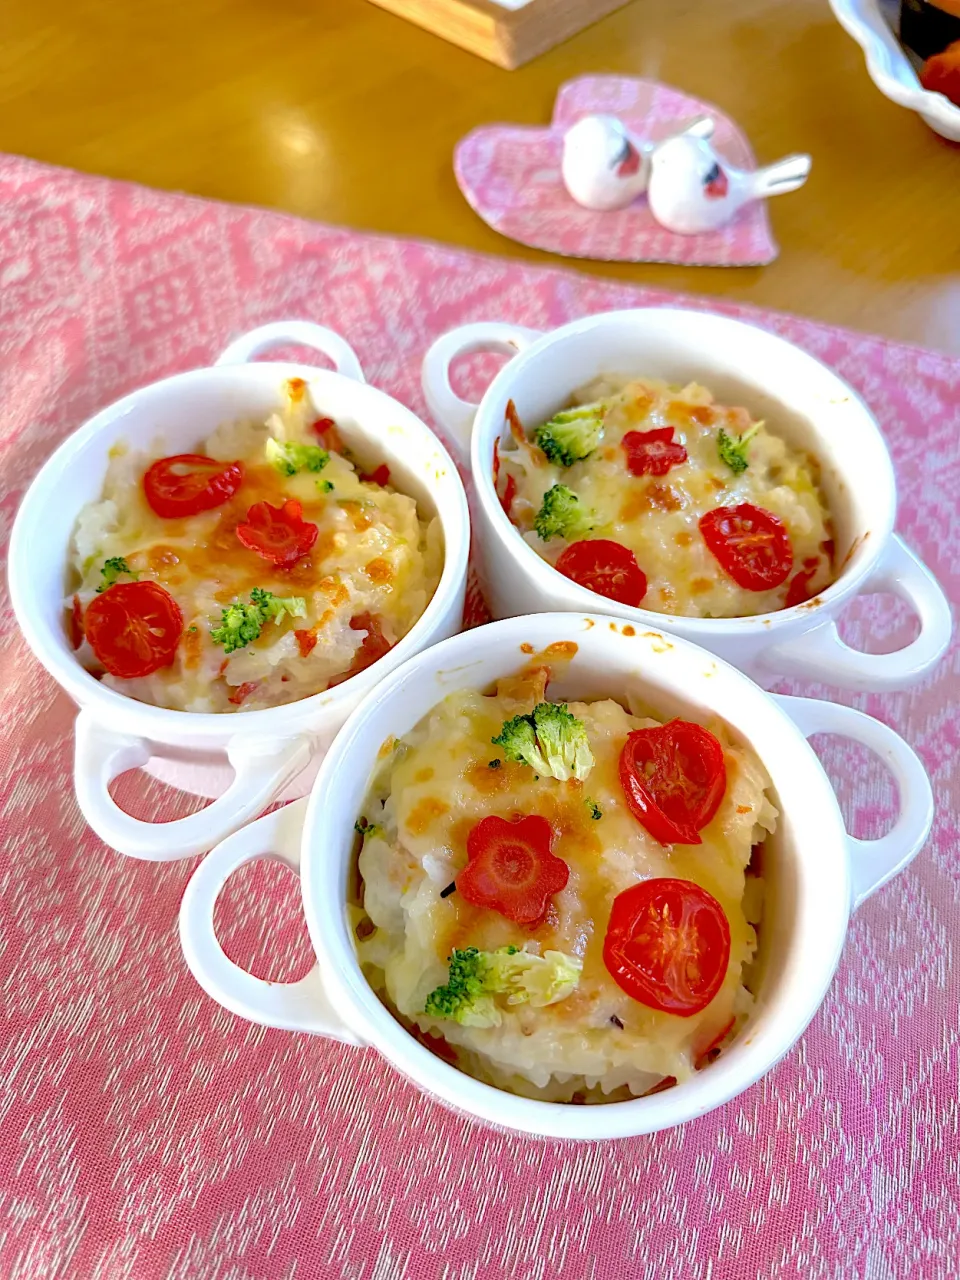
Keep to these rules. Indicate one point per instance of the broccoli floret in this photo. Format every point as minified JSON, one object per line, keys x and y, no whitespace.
{"x":325,"y":486}
{"x":733,"y":449}
{"x":475,"y":977}
{"x":290,"y":458}
{"x":550,"y":740}
{"x":562,"y":515}
{"x":563,"y":741}
{"x":572,"y":434}
{"x":364,"y":828}
{"x":112,"y":570}
{"x":596,"y":813}
{"x":241,"y":624}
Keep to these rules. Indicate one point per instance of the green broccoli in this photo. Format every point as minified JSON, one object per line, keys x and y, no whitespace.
{"x":113,"y":569}
{"x":364,"y":828}
{"x":550,"y":740}
{"x":733,"y":449}
{"x":475,"y":977}
{"x":241,"y":624}
{"x":572,"y":434}
{"x":290,"y":458}
{"x":561,"y":515}
{"x":325,"y":486}
{"x":596,"y":813}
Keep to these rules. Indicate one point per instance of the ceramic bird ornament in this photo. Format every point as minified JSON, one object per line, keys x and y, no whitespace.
{"x":605,"y":166}
{"x":692,"y":189}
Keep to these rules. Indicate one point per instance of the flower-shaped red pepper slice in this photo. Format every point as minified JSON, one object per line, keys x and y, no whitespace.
{"x":510,"y":868}
{"x":652,"y":453}
{"x":278,"y":534}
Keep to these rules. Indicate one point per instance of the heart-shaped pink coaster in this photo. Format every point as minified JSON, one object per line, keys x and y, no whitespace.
{"x":511,"y":177}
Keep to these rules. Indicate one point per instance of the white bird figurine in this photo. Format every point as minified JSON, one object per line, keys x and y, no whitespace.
{"x":605,"y":166}
{"x":692,"y":189}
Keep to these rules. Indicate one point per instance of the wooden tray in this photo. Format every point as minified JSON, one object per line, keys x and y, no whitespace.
{"x":507,"y":32}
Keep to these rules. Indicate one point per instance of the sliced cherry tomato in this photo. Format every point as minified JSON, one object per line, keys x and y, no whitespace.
{"x":673,"y":777}
{"x":278,"y":534}
{"x":188,"y":483}
{"x":751,"y":544}
{"x":134,"y":628}
{"x":509,"y":493}
{"x":606,"y":567}
{"x":326,"y":429}
{"x":652,"y":453}
{"x":799,"y":591}
{"x":668,"y":945}
{"x":496,"y":462}
{"x":380,"y":475}
{"x":510,"y":868}
{"x":375,"y":644}
{"x":242,"y":691}
{"x":76,"y":623}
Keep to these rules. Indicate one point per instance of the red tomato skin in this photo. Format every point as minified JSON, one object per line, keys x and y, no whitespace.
{"x":652,"y":453}
{"x":605,"y":567}
{"x":126,"y":610}
{"x":724,"y":529}
{"x":799,"y":591}
{"x":485,"y":882}
{"x":380,"y":475}
{"x":650,"y":745}
{"x":373,"y":647}
{"x":161,"y":483}
{"x":509,"y":493}
{"x":645,"y":906}
{"x":277,"y":534}
{"x":76,"y":623}
{"x":242,"y":692}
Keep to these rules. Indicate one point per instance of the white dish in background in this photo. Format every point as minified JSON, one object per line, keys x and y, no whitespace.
{"x":250,"y":759}
{"x":802,"y":400}
{"x":815,"y":873}
{"x":873,"y":24}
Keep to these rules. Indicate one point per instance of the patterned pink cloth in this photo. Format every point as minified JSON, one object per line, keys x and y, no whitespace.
{"x":511,"y":177}
{"x":146,"y":1133}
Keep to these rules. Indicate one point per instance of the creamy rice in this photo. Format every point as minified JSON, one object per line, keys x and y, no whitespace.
{"x":598,"y":1044}
{"x":657,"y":516}
{"x":374,"y":557}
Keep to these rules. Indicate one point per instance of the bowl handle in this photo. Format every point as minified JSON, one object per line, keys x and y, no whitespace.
{"x":822,"y":655}
{"x":303,"y":333}
{"x":874,"y":862}
{"x":453,"y":415}
{"x":291,"y":1006}
{"x":262,"y":769}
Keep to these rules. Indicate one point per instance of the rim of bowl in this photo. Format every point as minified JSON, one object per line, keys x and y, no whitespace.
{"x":324,"y":906}
{"x":842,"y":586}
{"x":85,"y":688}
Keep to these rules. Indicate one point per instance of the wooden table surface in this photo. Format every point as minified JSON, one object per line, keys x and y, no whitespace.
{"x":336,"y":110}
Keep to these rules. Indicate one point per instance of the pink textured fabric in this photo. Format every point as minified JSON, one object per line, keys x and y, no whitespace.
{"x":511,"y":177}
{"x":146,"y":1133}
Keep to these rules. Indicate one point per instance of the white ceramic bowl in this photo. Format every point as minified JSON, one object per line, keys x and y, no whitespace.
{"x":815,"y":872}
{"x":803,"y":401}
{"x":889,"y":64}
{"x":266,"y":750}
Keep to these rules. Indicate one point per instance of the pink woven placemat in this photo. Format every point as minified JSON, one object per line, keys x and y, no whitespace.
{"x":511,"y":176}
{"x":146,"y":1133}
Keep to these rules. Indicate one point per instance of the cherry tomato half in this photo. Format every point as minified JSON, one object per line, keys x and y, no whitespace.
{"x":134,"y":628}
{"x":375,"y":644}
{"x":668,"y":945}
{"x":380,"y":475}
{"x":278,"y":534}
{"x":606,"y":567}
{"x":751,"y":544}
{"x":652,"y":453}
{"x":673,"y":777}
{"x":188,"y":483}
{"x":510,"y":868}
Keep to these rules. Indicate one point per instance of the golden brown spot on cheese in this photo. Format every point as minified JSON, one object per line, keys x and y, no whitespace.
{"x":295,"y":388}
{"x":161,"y":557}
{"x":632,"y":506}
{"x":716,"y":483}
{"x":668,"y":598}
{"x":527,"y":686}
{"x":610,"y":453}
{"x":386,"y":746}
{"x":424,"y":813}
{"x":379,"y":571}
{"x":683,"y":538}
{"x":491,"y":781}
{"x":192,"y":643}
{"x":560,"y":651}
{"x":526,"y":648}
{"x":700,"y":586}
{"x":663,"y":497}
{"x":334,"y":590}
{"x":629,"y":631}
{"x":361,"y":520}
{"x":423,"y":775}
{"x":744,"y":808}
